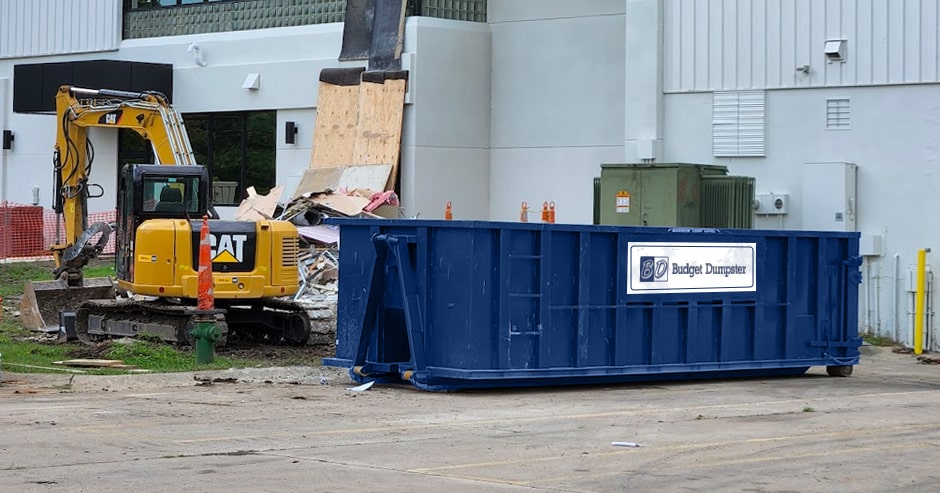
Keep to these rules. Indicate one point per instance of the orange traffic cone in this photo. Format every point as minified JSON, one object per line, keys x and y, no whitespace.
{"x":205,"y":294}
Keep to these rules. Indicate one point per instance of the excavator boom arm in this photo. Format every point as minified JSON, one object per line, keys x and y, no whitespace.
{"x":78,"y":109}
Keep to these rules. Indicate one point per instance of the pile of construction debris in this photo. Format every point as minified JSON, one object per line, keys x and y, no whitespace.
{"x":352,"y":173}
{"x":319,"y":253}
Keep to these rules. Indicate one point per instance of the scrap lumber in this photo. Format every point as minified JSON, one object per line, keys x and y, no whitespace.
{"x":344,"y":204}
{"x":371,"y":176}
{"x":259,"y":207}
{"x":334,"y":135}
{"x":21,"y":365}
{"x":94,"y":363}
{"x":318,"y":271}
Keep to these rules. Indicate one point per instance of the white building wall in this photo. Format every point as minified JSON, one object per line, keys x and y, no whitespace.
{"x":446,"y":140}
{"x":729,"y":44}
{"x":51,"y":27}
{"x":288,"y":60}
{"x":449,"y":162}
{"x":557,"y":103}
{"x":890,"y":80}
{"x":5,"y":103}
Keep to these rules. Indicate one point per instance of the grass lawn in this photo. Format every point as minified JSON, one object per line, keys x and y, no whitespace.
{"x":24,"y":351}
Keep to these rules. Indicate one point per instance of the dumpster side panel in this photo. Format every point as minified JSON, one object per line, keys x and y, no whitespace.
{"x":461,"y":292}
{"x":498,"y":304}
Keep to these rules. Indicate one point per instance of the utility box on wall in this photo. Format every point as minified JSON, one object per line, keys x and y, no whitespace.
{"x":680,"y":194}
{"x":829,"y":202}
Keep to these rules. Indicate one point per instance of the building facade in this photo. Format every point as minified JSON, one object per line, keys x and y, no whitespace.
{"x":829,"y":104}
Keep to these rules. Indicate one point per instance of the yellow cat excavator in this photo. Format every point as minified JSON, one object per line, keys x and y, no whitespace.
{"x":159,"y":214}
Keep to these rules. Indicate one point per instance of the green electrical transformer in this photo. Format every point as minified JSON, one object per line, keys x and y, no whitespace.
{"x":676,"y":194}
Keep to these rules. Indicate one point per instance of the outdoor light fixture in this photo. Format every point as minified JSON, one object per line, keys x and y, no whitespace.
{"x":252,"y":82}
{"x":290,"y":132}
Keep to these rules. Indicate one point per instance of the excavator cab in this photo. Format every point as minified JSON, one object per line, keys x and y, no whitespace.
{"x":152,"y":191}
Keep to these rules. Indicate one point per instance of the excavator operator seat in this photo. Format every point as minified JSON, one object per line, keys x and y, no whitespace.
{"x":171,"y":200}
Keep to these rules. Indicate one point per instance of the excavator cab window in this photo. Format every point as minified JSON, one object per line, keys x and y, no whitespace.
{"x":172,"y":195}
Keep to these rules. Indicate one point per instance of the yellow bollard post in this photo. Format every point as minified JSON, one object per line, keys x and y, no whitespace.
{"x":919,"y":300}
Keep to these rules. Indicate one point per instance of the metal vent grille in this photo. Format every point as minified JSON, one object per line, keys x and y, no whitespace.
{"x":738,"y":124}
{"x":838,"y":114}
{"x":289,"y":250}
{"x":727,"y":201}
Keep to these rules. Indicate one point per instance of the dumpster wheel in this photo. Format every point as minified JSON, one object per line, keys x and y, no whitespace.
{"x":839,"y":371}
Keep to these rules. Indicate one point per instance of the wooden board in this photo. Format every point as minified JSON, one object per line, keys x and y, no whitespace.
{"x":371,"y":176}
{"x":378,"y":136}
{"x":92,"y":363}
{"x":334,"y":135}
{"x":344,"y":204}
{"x":259,"y":207}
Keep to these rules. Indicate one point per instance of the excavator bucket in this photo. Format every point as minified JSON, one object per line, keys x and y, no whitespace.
{"x":44,"y":300}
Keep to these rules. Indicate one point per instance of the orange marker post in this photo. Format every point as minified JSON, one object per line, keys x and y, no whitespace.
{"x":544,"y":212}
{"x":448,"y":212}
{"x":206,"y":297}
{"x":205,"y":332}
{"x":551,"y":212}
{"x":524,"y":214}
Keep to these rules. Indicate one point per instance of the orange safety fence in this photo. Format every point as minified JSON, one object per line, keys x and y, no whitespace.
{"x":28,"y":231}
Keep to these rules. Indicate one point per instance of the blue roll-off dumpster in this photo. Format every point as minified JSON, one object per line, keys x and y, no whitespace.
{"x":465,"y":304}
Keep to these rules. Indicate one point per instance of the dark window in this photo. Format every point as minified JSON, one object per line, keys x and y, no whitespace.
{"x":238,"y":150}
{"x":171,"y":194}
{"x":132,"y":149}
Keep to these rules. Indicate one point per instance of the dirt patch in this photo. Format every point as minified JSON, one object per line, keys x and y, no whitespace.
{"x":96,"y":350}
{"x":277,"y":355}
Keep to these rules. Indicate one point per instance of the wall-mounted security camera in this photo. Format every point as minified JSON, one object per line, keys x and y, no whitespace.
{"x":196,"y":50}
{"x":803,"y":69}
{"x":836,"y":50}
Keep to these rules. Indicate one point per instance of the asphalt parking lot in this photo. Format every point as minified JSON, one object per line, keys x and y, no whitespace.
{"x":300,"y":429}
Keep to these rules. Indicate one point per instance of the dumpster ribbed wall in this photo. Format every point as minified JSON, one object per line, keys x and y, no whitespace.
{"x":495,"y":304}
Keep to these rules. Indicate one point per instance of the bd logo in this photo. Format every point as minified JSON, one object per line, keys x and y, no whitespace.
{"x":654,"y":269}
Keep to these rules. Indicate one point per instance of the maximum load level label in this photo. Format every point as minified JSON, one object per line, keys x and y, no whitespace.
{"x":659,"y":267}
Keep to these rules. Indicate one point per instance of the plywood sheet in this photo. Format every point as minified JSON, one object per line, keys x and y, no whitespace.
{"x":258,"y":207}
{"x":371,"y":176}
{"x":378,"y":136}
{"x":344,"y":204}
{"x":334,"y":135}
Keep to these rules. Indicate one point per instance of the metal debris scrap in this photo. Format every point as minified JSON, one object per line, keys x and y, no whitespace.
{"x":319,"y":270}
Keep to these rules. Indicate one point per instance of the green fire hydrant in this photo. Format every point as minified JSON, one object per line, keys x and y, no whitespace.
{"x":206,"y":333}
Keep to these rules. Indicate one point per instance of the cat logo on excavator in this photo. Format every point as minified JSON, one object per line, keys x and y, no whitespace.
{"x":228,"y":248}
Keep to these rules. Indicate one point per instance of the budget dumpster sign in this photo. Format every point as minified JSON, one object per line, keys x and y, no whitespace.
{"x":657,"y":267}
